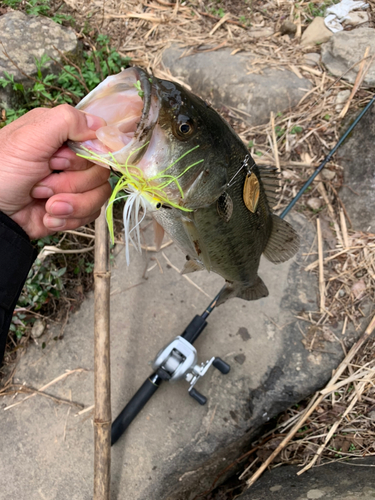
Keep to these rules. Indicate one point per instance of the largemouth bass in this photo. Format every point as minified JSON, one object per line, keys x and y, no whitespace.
{"x":216,"y":203}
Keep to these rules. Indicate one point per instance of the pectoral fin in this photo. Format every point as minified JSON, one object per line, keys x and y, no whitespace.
{"x":283,"y":242}
{"x":158,"y":234}
{"x":253,"y":292}
{"x":196,"y":241}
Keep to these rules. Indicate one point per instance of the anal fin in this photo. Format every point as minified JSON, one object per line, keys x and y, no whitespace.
{"x":253,"y":292}
{"x":283,"y":242}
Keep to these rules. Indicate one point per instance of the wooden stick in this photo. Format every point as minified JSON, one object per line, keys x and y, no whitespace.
{"x":344,"y":229}
{"x":321,"y":267}
{"x":360,"y":76}
{"x":314,"y":402}
{"x":102,"y":416}
{"x":275,"y":148}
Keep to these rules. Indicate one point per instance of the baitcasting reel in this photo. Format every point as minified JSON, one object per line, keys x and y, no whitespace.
{"x":179,"y":360}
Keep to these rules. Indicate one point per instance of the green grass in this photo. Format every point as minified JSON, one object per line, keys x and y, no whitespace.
{"x":79,"y":75}
{"x":75,"y":80}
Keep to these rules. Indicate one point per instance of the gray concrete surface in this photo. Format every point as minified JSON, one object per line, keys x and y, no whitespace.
{"x":226,"y":80}
{"x":175,"y":448}
{"x":347,"y":480}
{"x":357,"y":157}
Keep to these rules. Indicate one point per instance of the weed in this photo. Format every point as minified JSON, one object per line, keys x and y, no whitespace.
{"x":319,"y":10}
{"x":220,"y":12}
{"x":71,"y":84}
{"x":279,"y":131}
{"x":296,"y":129}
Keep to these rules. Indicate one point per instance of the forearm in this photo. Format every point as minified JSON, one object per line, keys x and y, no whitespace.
{"x":16,"y":258}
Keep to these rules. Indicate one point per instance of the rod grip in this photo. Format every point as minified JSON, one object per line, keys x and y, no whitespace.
{"x":135,"y":405}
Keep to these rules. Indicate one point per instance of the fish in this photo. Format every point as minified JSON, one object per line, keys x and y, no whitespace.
{"x":204,"y":188}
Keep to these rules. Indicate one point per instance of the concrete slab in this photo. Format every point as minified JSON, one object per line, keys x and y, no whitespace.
{"x":175,"y":448}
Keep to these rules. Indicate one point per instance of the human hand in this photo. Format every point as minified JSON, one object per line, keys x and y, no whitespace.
{"x":31,"y":148}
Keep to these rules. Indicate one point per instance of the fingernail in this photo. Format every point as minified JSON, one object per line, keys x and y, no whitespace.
{"x":42,"y":192}
{"x":94,"y":122}
{"x":61,"y":208}
{"x":57,"y":163}
{"x":54,"y":223}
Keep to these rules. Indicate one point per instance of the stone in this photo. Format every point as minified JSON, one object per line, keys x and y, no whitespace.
{"x":328,"y":174}
{"x":223,"y":80}
{"x":312,"y":58}
{"x":341,"y":99}
{"x":345,"y":49}
{"x":357,"y":157}
{"x":175,"y":448}
{"x":314,"y":203}
{"x":38,"y":329}
{"x":25,"y":38}
{"x":288,"y":28}
{"x":349,"y":480}
{"x":316,"y":33}
{"x":260,"y":32}
{"x":356,"y":18}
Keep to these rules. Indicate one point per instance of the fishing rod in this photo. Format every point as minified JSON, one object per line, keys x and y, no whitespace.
{"x":179,"y":358}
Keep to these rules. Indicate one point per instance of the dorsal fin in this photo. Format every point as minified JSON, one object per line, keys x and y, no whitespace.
{"x":283,"y":242}
{"x":270,"y":178}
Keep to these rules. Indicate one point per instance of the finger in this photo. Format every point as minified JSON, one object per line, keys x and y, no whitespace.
{"x":70,"y":182}
{"x":78,"y":206}
{"x":52,"y":224}
{"x":52,"y":128}
{"x":66,"y":159}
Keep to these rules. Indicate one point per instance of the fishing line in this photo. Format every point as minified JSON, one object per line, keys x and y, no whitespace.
{"x":291,"y":204}
{"x":317,"y":101}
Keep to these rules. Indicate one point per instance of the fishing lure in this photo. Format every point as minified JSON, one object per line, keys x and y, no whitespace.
{"x":140,"y":193}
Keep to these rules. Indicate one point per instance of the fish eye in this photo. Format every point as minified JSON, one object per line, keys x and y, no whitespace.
{"x":184,"y":128}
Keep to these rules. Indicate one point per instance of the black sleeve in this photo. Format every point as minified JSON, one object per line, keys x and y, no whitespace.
{"x":16,"y":258}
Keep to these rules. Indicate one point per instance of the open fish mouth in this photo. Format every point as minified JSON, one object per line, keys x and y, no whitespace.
{"x":129,"y":105}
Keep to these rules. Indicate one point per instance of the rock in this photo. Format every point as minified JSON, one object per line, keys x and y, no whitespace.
{"x":328,"y":174}
{"x":223,"y":80}
{"x":316,"y":33}
{"x":288,"y":28}
{"x":38,"y":329}
{"x":357,"y":157}
{"x":351,"y":480}
{"x":175,"y":448}
{"x":341,"y":99}
{"x":314,"y":203}
{"x":356,"y":18}
{"x":25,"y":38}
{"x":260,"y":32}
{"x":345,"y":49}
{"x":312,"y":58}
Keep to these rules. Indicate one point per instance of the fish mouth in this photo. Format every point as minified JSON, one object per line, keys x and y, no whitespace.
{"x":129,"y":105}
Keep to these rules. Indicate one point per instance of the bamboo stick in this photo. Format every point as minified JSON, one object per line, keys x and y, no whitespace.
{"x":321,"y":267}
{"x":102,"y":418}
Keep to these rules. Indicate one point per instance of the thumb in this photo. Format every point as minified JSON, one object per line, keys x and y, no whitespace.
{"x":65,"y":122}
